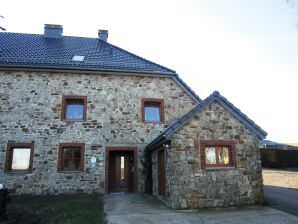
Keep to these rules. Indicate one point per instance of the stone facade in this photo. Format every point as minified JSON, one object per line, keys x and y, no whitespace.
{"x":30,"y":110}
{"x":190,"y":185}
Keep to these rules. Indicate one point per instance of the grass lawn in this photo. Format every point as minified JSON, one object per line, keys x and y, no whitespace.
{"x":66,"y":209}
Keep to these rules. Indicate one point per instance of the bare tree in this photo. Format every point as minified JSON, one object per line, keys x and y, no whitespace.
{"x":1,"y":28}
{"x":294,"y":5}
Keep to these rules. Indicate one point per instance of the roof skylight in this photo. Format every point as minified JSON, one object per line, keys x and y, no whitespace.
{"x":78,"y":58}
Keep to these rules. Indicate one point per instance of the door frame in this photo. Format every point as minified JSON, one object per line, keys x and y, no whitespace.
{"x":161,"y":173}
{"x":135,"y":165}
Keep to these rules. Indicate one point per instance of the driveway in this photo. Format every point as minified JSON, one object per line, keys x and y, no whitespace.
{"x":143,"y":209}
{"x":283,"y":199}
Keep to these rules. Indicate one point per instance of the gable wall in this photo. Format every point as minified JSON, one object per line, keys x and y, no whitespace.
{"x":194,"y":187}
{"x":30,"y":110}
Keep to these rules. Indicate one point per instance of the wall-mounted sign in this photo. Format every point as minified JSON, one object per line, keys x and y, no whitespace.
{"x":93,"y":160}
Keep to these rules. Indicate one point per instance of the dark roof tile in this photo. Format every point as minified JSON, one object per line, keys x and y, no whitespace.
{"x":38,"y":51}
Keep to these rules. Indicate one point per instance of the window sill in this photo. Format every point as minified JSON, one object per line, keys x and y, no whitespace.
{"x":73,"y":120}
{"x":18,"y":172}
{"x":220,"y":168}
{"x":153,"y":122}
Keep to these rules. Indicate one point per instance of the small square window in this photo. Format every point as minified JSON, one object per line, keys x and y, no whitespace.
{"x":74,"y":108}
{"x":78,"y":58}
{"x":152,"y":113}
{"x":71,"y":157}
{"x":153,"y":110}
{"x":19,"y":157}
{"x":217,"y":154}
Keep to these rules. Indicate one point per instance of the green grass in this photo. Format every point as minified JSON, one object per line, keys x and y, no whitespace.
{"x":66,"y":209}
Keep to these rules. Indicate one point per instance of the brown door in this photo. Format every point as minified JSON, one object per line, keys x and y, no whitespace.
{"x":161,"y":173}
{"x":121,"y":172}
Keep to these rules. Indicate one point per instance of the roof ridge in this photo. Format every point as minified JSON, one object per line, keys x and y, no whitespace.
{"x":40,"y":34}
{"x":215,"y":96}
{"x":172,"y":71}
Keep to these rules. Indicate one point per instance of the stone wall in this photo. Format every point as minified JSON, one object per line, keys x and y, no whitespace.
{"x":30,"y":110}
{"x":194,"y":187}
{"x":168,"y":174}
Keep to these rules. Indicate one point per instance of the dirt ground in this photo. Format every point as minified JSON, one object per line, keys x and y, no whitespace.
{"x":281,"y":178}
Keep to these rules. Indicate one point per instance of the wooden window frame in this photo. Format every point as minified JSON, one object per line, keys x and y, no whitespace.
{"x":220,"y":143}
{"x":60,"y":165}
{"x":154,"y":102}
{"x":9,"y":154}
{"x":73,"y":98}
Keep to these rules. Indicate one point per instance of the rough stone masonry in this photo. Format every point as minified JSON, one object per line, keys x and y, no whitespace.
{"x":30,"y":110}
{"x":191,"y":186}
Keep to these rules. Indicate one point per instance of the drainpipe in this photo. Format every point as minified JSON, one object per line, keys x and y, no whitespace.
{"x":166,"y":146}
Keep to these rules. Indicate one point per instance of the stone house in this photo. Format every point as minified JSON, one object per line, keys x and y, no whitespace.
{"x":82,"y":115}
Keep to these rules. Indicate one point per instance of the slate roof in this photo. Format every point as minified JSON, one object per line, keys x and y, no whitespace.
{"x":35,"y":51}
{"x":163,"y":137}
{"x":38,"y":51}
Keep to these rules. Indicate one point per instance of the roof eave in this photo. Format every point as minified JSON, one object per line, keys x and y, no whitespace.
{"x":187,"y":89}
{"x":159,"y":140}
{"x":52,"y":68}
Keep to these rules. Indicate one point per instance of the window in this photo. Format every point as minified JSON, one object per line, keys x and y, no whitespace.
{"x":71,"y":157}
{"x":217,"y":154}
{"x":74,"y":108}
{"x":19,"y":157}
{"x":152,"y":110}
{"x":78,"y":58}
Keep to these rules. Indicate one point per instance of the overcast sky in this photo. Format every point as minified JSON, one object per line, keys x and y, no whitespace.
{"x":247,"y":50}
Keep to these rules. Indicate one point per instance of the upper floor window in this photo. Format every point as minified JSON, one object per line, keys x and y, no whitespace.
{"x":19,"y":157}
{"x":74,"y":108}
{"x":217,"y":154}
{"x":152,"y":110}
{"x":71,"y":157}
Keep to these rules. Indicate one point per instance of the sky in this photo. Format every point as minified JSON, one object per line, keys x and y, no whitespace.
{"x":247,"y":50}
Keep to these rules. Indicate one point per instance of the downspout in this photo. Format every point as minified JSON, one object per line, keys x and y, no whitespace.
{"x":167,"y":149}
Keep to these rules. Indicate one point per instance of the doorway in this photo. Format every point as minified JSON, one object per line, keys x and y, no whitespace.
{"x":121,"y":170}
{"x":161,"y":173}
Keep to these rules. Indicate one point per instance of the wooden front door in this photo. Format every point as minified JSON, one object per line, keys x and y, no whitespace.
{"x":161,"y":173}
{"x":121,"y":171}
